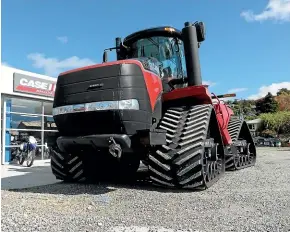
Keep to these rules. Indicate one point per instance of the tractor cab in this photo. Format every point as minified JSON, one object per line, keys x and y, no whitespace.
{"x":162,"y":48}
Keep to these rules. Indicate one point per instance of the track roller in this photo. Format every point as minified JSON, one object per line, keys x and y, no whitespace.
{"x":194,"y":155}
{"x":242,"y":152}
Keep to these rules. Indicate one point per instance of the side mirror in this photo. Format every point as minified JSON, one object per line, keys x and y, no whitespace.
{"x":105,"y":56}
{"x":200,"y":31}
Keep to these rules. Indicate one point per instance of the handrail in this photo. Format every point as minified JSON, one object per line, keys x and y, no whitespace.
{"x":219,"y":102}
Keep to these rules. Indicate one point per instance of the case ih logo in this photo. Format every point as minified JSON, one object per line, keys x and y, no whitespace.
{"x":33,"y":85}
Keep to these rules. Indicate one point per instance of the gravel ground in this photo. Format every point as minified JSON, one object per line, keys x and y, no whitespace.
{"x":253,"y":199}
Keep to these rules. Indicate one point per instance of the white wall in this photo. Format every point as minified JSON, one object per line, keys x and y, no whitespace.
{"x":6,"y":82}
{"x":6,"y":87}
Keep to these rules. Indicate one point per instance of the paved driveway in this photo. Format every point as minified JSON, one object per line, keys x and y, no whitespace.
{"x":16,"y":176}
{"x":252,"y":199}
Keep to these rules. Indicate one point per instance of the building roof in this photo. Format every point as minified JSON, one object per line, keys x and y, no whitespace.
{"x":37,"y":124}
{"x":255,"y":121}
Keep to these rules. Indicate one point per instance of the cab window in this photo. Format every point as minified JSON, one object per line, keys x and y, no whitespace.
{"x":167,"y":50}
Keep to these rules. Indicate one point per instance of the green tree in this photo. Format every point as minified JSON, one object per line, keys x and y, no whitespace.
{"x":236,"y":102}
{"x":249,"y":117}
{"x":267,"y":105}
{"x":248,"y":107}
{"x":244,"y":107}
{"x":283,"y":91}
{"x":283,"y":102}
{"x":278,"y":122}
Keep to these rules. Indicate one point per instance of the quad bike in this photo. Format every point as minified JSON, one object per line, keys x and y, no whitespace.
{"x":149,"y":105}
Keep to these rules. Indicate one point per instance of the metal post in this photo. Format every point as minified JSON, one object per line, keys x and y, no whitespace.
{"x":42,"y":129}
{"x":3,"y":132}
{"x":1,"y":126}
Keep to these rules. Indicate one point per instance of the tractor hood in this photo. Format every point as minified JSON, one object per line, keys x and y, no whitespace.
{"x":107,"y":98}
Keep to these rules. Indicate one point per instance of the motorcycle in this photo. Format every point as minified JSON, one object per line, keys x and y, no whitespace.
{"x":15,"y":152}
{"x":27,"y":151}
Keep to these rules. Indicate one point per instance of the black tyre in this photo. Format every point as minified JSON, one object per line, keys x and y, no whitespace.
{"x":194,"y":154}
{"x":242,"y":151}
{"x":21,"y":159}
{"x":30,"y":158}
{"x":67,"y":167}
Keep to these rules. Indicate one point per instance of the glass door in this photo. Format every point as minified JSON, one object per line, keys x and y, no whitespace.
{"x":22,"y":118}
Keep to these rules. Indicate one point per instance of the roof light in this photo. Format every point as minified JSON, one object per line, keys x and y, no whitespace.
{"x":169,"y":29}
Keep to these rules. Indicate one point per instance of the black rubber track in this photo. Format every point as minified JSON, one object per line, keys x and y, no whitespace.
{"x":236,"y":159}
{"x":183,"y":163}
{"x":67,"y":167}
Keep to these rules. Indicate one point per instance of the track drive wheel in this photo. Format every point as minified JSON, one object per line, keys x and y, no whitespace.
{"x":67,"y":167}
{"x":242,"y":153}
{"x":194,"y":155}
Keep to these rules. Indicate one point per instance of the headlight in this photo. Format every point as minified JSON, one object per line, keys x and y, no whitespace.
{"x":129,"y":104}
{"x":104,"y":105}
{"x":62,"y":110}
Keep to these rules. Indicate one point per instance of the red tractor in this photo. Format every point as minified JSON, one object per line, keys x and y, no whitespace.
{"x":151,"y":106}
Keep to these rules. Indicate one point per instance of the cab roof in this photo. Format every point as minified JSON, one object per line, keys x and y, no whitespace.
{"x":155,"y":31}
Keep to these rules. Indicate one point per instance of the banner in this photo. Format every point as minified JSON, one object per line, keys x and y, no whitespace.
{"x":33,"y":85}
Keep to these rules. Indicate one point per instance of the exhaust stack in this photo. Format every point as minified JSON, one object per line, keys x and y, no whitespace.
{"x":191,"y":45}
{"x":118,"y":42}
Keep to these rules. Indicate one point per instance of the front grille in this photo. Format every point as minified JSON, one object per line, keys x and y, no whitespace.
{"x":108,"y":83}
{"x":78,"y":124}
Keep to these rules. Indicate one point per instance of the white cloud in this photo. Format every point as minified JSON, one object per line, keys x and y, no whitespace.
{"x":53,"y":66}
{"x":278,"y":10}
{"x":62,"y":39}
{"x":5,"y":64}
{"x":237,"y":90}
{"x":209,"y":83}
{"x":273,"y":89}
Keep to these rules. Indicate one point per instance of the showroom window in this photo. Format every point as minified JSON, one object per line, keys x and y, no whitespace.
{"x":25,"y":117}
{"x":50,"y":130}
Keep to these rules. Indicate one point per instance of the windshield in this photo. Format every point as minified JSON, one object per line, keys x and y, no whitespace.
{"x":167,"y":50}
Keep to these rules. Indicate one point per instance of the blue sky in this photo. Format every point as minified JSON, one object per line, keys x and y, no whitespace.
{"x":247,"y":46}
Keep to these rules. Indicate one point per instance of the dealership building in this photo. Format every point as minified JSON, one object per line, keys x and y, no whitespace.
{"x":26,"y":109}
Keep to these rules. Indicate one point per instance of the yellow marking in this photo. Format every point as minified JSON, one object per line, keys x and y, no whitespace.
{"x":169,"y":29}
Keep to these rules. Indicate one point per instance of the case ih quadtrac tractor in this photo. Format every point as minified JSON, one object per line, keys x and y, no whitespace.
{"x":151,"y":106}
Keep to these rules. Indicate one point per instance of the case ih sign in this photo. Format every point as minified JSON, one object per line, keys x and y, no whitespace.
{"x":32,"y":85}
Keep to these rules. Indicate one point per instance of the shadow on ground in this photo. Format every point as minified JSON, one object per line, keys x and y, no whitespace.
{"x":40,"y":180}
{"x":62,"y":188}
{"x":18,"y":177}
